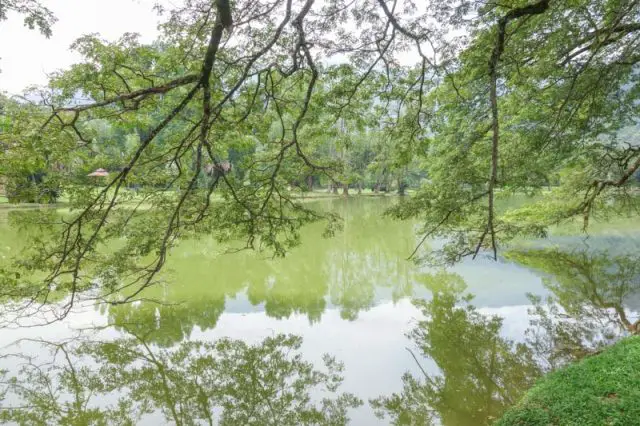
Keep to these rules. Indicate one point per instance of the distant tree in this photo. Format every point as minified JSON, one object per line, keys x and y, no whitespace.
{"x":29,"y":167}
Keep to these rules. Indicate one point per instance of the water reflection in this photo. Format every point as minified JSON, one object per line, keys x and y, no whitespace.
{"x":468,"y":360}
{"x":352,"y":272}
{"x":128,"y":381}
{"x":594,"y":300}
{"x":167,"y":324}
{"x":478,"y":372}
{"x":467,"y":370}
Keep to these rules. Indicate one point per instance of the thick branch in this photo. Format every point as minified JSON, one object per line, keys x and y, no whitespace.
{"x":533,"y":9}
{"x":611,"y":36}
{"x":599,"y":185}
{"x":138,"y":94}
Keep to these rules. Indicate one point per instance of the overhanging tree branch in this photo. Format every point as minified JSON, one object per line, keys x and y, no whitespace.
{"x":514,"y":14}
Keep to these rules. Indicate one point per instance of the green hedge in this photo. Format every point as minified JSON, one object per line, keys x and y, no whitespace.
{"x":600,"y":390}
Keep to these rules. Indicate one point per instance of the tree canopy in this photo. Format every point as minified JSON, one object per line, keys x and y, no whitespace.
{"x":483,"y":99}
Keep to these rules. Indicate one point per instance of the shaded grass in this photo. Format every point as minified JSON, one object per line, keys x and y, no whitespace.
{"x":600,"y":390}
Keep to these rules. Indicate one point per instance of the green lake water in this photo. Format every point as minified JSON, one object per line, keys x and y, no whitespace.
{"x":206,"y":343}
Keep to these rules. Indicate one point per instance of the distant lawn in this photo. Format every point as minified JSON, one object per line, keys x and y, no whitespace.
{"x":316,"y":194}
{"x":600,"y":390}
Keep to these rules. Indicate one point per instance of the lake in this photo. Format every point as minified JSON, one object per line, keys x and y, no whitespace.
{"x":337,"y":331}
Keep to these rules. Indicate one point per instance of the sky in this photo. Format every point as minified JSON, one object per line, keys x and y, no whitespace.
{"x":26,"y":56}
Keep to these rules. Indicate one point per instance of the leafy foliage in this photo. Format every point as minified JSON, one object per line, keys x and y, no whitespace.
{"x":560,"y":113}
{"x":35,"y":14}
{"x":215,"y":126}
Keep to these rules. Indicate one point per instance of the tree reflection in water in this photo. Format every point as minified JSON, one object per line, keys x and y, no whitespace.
{"x":227,"y":382}
{"x":157,"y":372}
{"x":350,"y":272}
{"x":594,"y":301}
{"x":480,"y":372}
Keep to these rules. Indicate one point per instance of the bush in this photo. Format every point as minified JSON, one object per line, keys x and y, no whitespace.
{"x":599,"y":390}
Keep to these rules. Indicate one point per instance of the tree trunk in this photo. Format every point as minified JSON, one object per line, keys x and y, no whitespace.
{"x":376,"y":188}
{"x":335,"y":188}
{"x":345,"y":189}
{"x":309,"y":183}
{"x":359,"y":188}
{"x":400,"y":186}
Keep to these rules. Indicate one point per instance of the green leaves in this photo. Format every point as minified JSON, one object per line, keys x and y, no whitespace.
{"x":35,"y":14}
{"x":561,"y":107}
{"x":301,"y":94}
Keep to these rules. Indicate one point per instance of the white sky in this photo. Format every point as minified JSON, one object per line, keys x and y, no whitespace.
{"x":26,"y":56}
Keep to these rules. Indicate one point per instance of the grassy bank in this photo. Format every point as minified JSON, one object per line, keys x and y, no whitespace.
{"x":600,"y":390}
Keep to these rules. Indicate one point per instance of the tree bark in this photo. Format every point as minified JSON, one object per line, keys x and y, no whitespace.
{"x":496,"y":54}
{"x":400,"y":186}
{"x":345,"y":189}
